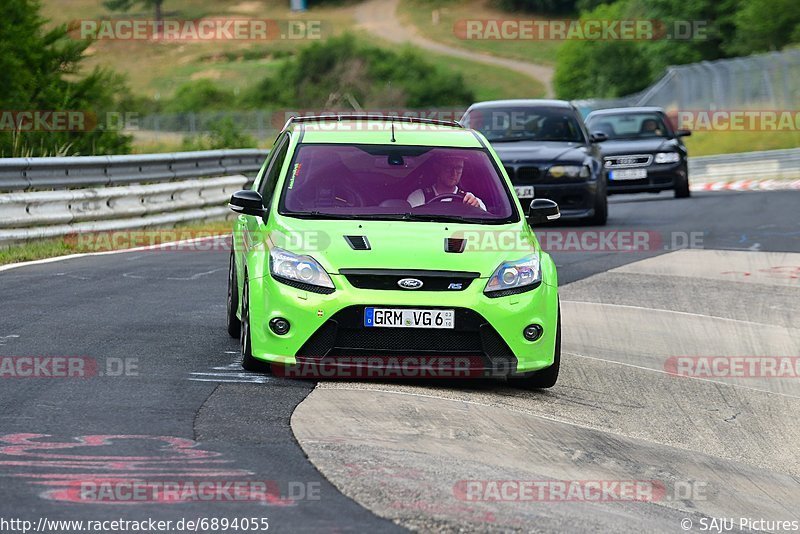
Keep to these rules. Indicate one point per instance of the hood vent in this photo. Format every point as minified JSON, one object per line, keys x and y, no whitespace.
{"x":357,"y":242}
{"x":454,"y":244}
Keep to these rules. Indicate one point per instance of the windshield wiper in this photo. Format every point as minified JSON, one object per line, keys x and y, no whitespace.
{"x":387,"y":217}
{"x":315,"y":215}
{"x":441,"y":218}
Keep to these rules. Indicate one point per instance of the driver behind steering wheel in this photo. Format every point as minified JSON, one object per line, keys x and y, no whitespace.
{"x":448,"y":173}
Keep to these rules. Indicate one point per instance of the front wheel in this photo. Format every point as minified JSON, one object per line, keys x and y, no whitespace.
{"x":546,"y":378}
{"x":682,"y":185}
{"x":233,"y":323}
{"x":249,"y":363}
{"x":600,"y":210}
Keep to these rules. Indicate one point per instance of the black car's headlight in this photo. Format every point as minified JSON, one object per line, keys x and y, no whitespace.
{"x":569,"y":171}
{"x":285,"y":265}
{"x":667,"y":157}
{"x":513,"y":277}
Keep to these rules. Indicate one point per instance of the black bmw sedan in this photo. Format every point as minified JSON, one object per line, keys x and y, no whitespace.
{"x":547,"y":151}
{"x":643,"y":153}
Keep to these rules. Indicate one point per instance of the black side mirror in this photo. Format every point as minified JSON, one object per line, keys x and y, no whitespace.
{"x":683,"y":133}
{"x":542,"y":210}
{"x":247,"y":202}
{"x":598,"y":137}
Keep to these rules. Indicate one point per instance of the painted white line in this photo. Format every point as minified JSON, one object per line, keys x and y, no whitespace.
{"x":258,"y":381}
{"x":680,"y":376}
{"x":690,"y":314}
{"x":148,"y":248}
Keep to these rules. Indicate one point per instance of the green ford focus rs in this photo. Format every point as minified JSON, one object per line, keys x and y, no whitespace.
{"x":370,"y":244}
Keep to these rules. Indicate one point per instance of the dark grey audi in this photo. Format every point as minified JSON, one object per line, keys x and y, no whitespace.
{"x":547,"y":152}
{"x":643,"y":152}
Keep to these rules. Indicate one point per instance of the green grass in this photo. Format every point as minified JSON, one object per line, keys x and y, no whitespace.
{"x":155,"y":69}
{"x":104,"y":241}
{"x":419,"y":14}
{"x":709,"y":143}
{"x":490,"y":82}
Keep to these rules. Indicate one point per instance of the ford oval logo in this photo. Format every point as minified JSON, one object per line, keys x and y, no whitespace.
{"x":409,"y":283}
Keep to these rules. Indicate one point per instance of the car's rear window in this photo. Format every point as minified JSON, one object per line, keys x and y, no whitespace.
{"x":390,"y":181}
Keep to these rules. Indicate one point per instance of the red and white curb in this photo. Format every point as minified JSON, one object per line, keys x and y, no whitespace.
{"x":747,"y":185}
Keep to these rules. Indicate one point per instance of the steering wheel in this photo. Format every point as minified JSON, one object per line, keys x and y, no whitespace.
{"x":355,"y":200}
{"x":444,"y":197}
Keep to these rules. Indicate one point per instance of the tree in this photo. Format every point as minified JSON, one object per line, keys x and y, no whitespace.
{"x":601,"y":69}
{"x":763,"y":25}
{"x":126,"y":5}
{"x":40,"y":72}
{"x":343,"y":67}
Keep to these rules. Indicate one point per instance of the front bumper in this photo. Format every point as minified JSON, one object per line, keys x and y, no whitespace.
{"x":576,"y":200}
{"x":328,"y":329}
{"x":660,"y":177}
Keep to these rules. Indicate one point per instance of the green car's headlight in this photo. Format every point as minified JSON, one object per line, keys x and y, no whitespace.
{"x":569,"y":171}
{"x":668,"y":157}
{"x":286,"y":266}
{"x":513,"y":277}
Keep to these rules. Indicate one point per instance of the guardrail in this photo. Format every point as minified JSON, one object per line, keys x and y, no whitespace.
{"x":768,"y":164}
{"x":18,"y":174}
{"x":50,"y":197}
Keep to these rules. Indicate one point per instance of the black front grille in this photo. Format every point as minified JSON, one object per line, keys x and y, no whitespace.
{"x":528,"y":175}
{"x":387,"y":279}
{"x":407,"y":340}
{"x":628,"y":161}
{"x":344,"y":335}
{"x":510,"y":173}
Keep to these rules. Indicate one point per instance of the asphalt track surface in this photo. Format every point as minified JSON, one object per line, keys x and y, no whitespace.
{"x":383,"y":456}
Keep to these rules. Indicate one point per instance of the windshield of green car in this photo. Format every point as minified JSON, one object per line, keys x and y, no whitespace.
{"x":331,"y":181}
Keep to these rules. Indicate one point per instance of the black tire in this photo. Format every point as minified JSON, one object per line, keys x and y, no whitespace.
{"x":234,"y":325}
{"x":249,"y":363}
{"x":682,"y":185}
{"x":600,"y":210}
{"x":546,"y":378}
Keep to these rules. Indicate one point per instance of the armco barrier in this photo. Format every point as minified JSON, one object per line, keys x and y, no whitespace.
{"x":768,"y":164}
{"x":50,"y":197}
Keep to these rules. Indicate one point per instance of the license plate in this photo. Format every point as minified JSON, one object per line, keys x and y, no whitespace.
{"x":627,"y":174}
{"x":406,"y":318}
{"x":524,"y":191}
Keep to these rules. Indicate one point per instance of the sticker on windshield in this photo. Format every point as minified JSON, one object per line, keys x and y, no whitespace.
{"x":295,"y":172}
